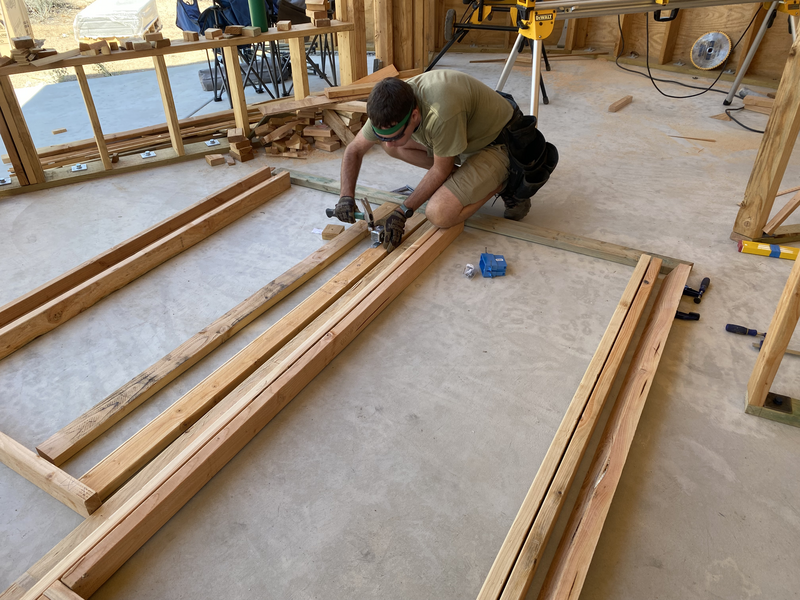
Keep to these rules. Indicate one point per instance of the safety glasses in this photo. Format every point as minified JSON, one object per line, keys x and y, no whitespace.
{"x":385,"y":135}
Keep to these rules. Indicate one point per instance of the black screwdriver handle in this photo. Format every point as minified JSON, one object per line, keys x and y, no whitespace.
{"x":329,"y":212}
{"x":703,"y":287}
{"x":740,"y":330}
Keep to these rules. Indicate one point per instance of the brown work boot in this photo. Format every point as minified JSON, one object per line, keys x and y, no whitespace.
{"x":516,"y":209}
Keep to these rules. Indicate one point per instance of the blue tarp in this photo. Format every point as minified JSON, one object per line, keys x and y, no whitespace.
{"x":222,"y":14}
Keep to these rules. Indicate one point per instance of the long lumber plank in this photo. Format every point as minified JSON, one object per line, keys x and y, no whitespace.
{"x":68,"y":559}
{"x":70,"y":439}
{"x":573,"y":557}
{"x":62,"y":308}
{"x":102,"y":560}
{"x":58,"y":591}
{"x":135,"y":452}
{"x":55,"y":287}
{"x":512,"y":546}
{"x":530,"y":556}
{"x":523,"y":231}
{"x":43,"y":566}
{"x":60,"y":485}
{"x":782,"y":215}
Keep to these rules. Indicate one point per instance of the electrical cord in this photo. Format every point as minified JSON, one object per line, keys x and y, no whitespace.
{"x":653,"y":80}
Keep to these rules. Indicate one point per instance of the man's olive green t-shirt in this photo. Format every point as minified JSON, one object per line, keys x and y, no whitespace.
{"x":460,"y":114}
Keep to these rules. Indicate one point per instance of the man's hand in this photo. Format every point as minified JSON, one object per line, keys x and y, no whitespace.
{"x":394,"y":228}
{"x":345,"y":209}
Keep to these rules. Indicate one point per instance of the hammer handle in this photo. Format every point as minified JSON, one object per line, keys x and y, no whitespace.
{"x":741,"y":330}
{"x":330,"y":213}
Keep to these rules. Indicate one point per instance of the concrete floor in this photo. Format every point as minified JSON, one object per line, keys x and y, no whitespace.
{"x":397,"y":472}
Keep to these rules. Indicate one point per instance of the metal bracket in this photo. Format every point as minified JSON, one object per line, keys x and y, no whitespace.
{"x":79,"y":167}
{"x":211,"y":143}
{"x":5,"y":180}
{"x":148,"y":154}
{"x":777,"y":407}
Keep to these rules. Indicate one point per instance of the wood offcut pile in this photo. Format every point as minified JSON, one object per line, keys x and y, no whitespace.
{"x":291,"y":128}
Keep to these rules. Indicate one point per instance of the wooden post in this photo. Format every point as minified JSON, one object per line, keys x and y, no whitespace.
{"x":173,"y":125}
{"x":16,"y":20}
{"x":297,"y":52}
{"x":776,"y":342}
{"x":619,"y":47}
{"x":60,"y":485}
{"x":773,"y":155}
{"x":668,"y":41}
{"x":418,"y":34}
{"x":576,"y":34}
{"x":18,"y":128}
{"x":13,"y":155}
{"x":236,"y":87}
{"x":354,"y":43}
{"x":93,"y":119}
{"x":382,"y":11}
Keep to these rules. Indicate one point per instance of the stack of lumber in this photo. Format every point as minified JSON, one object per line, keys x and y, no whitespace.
{"x":295,"y":135}
{"x":318,"y":13}
{"x":521,"y":553}
{"x":25,"y":49}
{"x":240,"y":147}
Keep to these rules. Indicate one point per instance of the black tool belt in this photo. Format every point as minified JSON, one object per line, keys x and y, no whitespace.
{"x":532,"y":158}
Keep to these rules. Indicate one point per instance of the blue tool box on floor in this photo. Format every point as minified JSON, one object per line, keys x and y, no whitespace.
{"x":493,"y":265}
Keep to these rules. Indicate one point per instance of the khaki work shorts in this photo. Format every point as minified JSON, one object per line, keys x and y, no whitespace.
{"x":479,"y":175}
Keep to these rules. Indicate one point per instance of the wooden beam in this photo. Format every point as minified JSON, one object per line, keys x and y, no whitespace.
{"x":236,"y":87}
{"x":521,"y":231}
{"x":173,"y":125}
{"x":110,"y":473}
{"x":94,"y":559}
{"x":780,"y":331}
{"x":76,"y":435}
{"x":379,"y":75}
{"x":334,"y":121}
{"x":671,"y":31}
{"x":345,"y":91}
{"x":504,"y":564}
{"x":60,"y":485}
{"x":573,"y":557}
{"x":352,"y":44}
{"x":782,"y":215}
{"x":58,"y":591}
{"x":23,"y":142}
{"x":576,"y":34}
{"x":297,"y":53}
{"x":774,"y":152}
{"x":93,"y":118}
{"x":621,"y":44}
{"x":13,"y":155}
{"x":59,"y":310}
{"x":43,"y":566}
{"x":418,"y":61}
{"x":382,"y":18}
{"x":55,"y":287}
{"x":16,"y":21}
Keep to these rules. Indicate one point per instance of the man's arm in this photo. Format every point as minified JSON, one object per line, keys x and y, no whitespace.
{"x":351,"y":164}
{"x":432,"y":181}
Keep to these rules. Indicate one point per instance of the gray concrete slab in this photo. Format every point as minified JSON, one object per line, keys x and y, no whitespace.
{"x":397,"y":472}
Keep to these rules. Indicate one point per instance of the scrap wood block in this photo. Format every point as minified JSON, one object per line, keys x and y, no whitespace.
{"x":621,"y":103}
{"x":114,"y":45}
{"x":191,"y":36}
{"x":212,"y":33}
{"x":93,"y":52}
{"x":331,"y":231}
{"x":251,"y":31}
{"x":140,"y":46}
{"x":215,"y":159}
{"x":24,"y":41}
{"x":160,"y":43}
{"x":322,"y":22}
{"x":242,"y":146}
{"x":295,"y":142}
{"x":334,"y":122}
{"x":284,"y":25}
{"x":280,"y":132}
{"x":264,"y":129}
{"x":327,"y":146}
{"x":317,"y":6}
{"x":317,"y":14}
{"x":114,"y":157}
{"x":279,"y":146}
{"x":343,"y":91}
{"x":242,"y":157}
{"x":236,"y":135}
{"x":61,"y":130}
{"x":129,"y":44}
{"x":234,"y":30}
{"x":153,"y":37}
{"x":6,"y":60}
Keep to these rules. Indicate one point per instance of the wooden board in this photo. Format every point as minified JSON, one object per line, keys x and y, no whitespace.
{"x":774,"y":152}
{"x":346,"y":91}
{"x":236,"y":87}
{"x":297,"y":52}
{"x":58,"y":591}
{"x":782,"y":215}
{"x":573,"y":557}
{"x":60,"y":485}
{"x":23,"y":143}
{"x":505,"y":563}
{"x":93,"y":118}
{"x":334,"y":121}
{"x":88,"y":562}
{"x":110,"y":473}
{"x":55,"y":287}
{"x":173,"y":125}
{"x":781,"y":328}
{"x":62,"y":308}
{"x":619,"y":104}
{"x":379,"y":75}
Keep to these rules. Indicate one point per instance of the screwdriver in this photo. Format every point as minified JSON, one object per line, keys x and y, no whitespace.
{"x":743,"y":330}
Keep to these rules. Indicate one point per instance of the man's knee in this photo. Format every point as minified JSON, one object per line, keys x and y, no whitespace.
{"x":443,"y":210}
